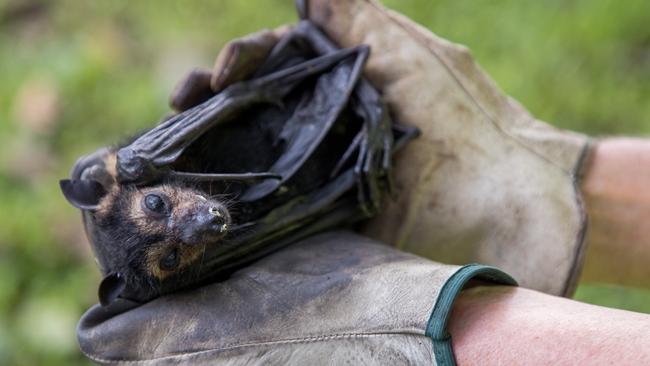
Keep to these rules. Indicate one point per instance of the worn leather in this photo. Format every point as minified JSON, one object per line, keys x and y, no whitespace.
{"x":486,"y":182}
{"x":333,"y":299}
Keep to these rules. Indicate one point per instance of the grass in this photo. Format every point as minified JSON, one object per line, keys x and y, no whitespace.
{"x":77,"y":75}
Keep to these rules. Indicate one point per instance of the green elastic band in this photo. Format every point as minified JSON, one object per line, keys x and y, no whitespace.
{"x":436,"y":327}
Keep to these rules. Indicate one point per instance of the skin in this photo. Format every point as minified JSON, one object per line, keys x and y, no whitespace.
{"x":497,"y":325}
{"x":617,"y":197}
{"x":506,"y":325}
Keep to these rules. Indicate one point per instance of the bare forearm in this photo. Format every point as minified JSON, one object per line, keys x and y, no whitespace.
{"x":515,"y":326}
{"x":616,"y":188}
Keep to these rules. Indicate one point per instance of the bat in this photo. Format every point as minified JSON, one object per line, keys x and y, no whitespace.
{"x":301,"y":145}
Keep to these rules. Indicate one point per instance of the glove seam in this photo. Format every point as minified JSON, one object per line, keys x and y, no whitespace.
{"x":583,"y":162}
{"x":328,"y":337}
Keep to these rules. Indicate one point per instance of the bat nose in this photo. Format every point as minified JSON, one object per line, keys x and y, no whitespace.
{"x":218,"y":218}
{"x":215,"y":211}
{"x":207,"y":223}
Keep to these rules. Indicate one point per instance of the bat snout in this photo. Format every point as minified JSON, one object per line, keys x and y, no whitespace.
{"x":209,"y":223}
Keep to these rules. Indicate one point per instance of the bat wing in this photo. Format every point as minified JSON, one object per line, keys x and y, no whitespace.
{"x":148,"y":159}
{"x":312,"y":120}
{"x":357,"y":175}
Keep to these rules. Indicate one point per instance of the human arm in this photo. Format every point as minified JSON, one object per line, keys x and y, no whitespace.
{"x":515,"y":326}
{"x":615,"y":187}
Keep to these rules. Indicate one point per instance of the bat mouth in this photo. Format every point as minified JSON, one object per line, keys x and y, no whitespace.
{"x":208,"y":236}
{"x":221,"y":229}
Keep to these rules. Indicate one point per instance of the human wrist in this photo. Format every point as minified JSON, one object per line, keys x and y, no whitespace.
{"x":618,"y":205}
{"x":618,"y":170}
{"x":512,"y":325}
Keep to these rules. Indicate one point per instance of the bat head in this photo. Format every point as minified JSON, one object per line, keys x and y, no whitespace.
{"x":144,"y":237}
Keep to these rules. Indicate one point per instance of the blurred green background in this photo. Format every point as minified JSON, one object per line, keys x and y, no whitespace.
{"x":81,"y":74}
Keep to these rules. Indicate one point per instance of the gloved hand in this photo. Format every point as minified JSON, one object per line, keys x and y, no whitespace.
{"x":336,"y":298}
{"x":485,"y":182}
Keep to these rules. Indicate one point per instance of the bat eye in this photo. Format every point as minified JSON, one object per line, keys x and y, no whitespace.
{"x":170,"y":261}
{"x":156,"y":204}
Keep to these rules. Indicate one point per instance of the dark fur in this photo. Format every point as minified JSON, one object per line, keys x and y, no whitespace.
{"x":128,"y":239}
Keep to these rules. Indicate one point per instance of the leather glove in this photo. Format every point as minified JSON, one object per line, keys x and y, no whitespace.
{"x":485,"y":182}
{"x":333,"y":299}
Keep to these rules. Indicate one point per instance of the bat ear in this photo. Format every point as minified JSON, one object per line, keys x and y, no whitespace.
{"x":81,"y":193}
{"x":111,"y":288}
{"x":94,"y":167}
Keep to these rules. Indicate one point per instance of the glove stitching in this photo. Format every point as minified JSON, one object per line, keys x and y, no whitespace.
{"x":336,"y":336}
